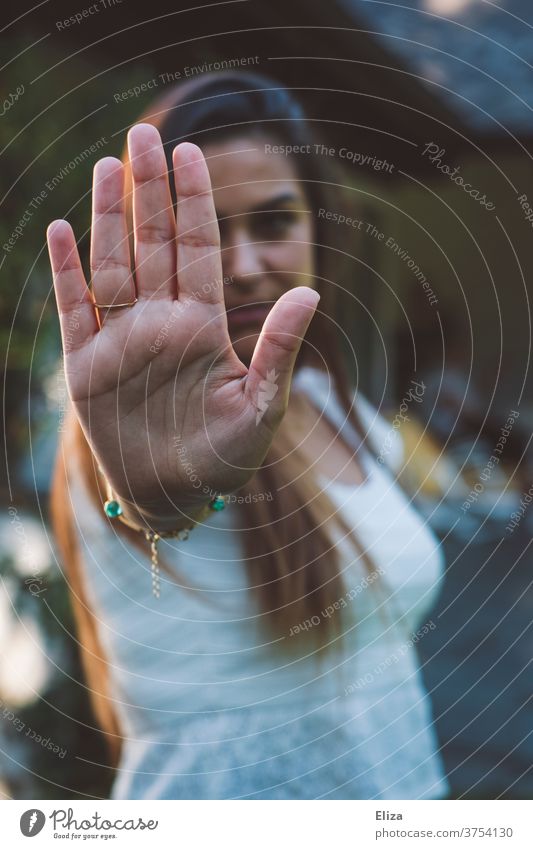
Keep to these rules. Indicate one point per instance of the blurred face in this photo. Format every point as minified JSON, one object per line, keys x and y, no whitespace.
{"x":266,"y":232}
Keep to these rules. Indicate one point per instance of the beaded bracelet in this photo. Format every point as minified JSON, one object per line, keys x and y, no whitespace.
{"x":113,"y":510}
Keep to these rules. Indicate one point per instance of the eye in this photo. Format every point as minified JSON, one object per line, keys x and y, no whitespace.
{"x":274,"y":224}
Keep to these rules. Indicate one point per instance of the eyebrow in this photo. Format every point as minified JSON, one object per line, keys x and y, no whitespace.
{"x":269,"y":205}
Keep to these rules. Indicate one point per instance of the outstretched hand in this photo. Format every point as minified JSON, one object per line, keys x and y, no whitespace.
{"x":157,"y":385}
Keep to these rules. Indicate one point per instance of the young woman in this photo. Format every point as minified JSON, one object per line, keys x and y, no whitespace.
{"x":270,"y":653}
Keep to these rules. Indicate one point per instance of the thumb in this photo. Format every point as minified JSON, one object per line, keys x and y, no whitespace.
{"x":269,"y":376}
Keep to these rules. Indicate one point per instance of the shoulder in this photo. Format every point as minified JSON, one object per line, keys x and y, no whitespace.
{"x":384,"y":439}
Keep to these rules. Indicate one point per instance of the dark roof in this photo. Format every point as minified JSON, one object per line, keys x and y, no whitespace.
{"x":353,"y":85}
{"x":479,"y":59}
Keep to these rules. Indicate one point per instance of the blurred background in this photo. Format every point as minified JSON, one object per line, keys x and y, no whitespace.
{"x":438,"y":292}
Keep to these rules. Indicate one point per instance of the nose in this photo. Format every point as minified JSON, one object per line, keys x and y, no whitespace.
{"x":241,"y":258}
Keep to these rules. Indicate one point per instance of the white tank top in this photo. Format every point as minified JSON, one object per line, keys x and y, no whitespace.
{"x":210,"y":707}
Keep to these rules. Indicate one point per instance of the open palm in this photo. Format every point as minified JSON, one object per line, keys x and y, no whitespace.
{"x":161,"y":395}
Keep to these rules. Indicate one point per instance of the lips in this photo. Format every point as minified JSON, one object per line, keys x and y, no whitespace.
{"x":251,"y":315}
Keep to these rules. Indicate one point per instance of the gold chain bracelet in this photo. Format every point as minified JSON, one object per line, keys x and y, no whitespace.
{"x":113,"y":510}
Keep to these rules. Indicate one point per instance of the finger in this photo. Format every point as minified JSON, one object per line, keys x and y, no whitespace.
{"x":153,"y":215}
{"x":112,"y":282}
{"x":198,"y":237}
{"x":74,"y":303}
{"x":269,"y":377}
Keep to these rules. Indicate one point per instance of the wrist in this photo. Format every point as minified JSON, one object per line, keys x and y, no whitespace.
{"x":154,"y":525}
{"x":159,"y":518}
{"x":162,"y":517}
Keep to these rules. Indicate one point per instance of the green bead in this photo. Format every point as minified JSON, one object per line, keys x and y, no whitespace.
{"x":218,"y":503}
{"x":112,"y":509}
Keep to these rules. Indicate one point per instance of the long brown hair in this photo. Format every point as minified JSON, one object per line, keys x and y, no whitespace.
{"x":292,"y":565}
